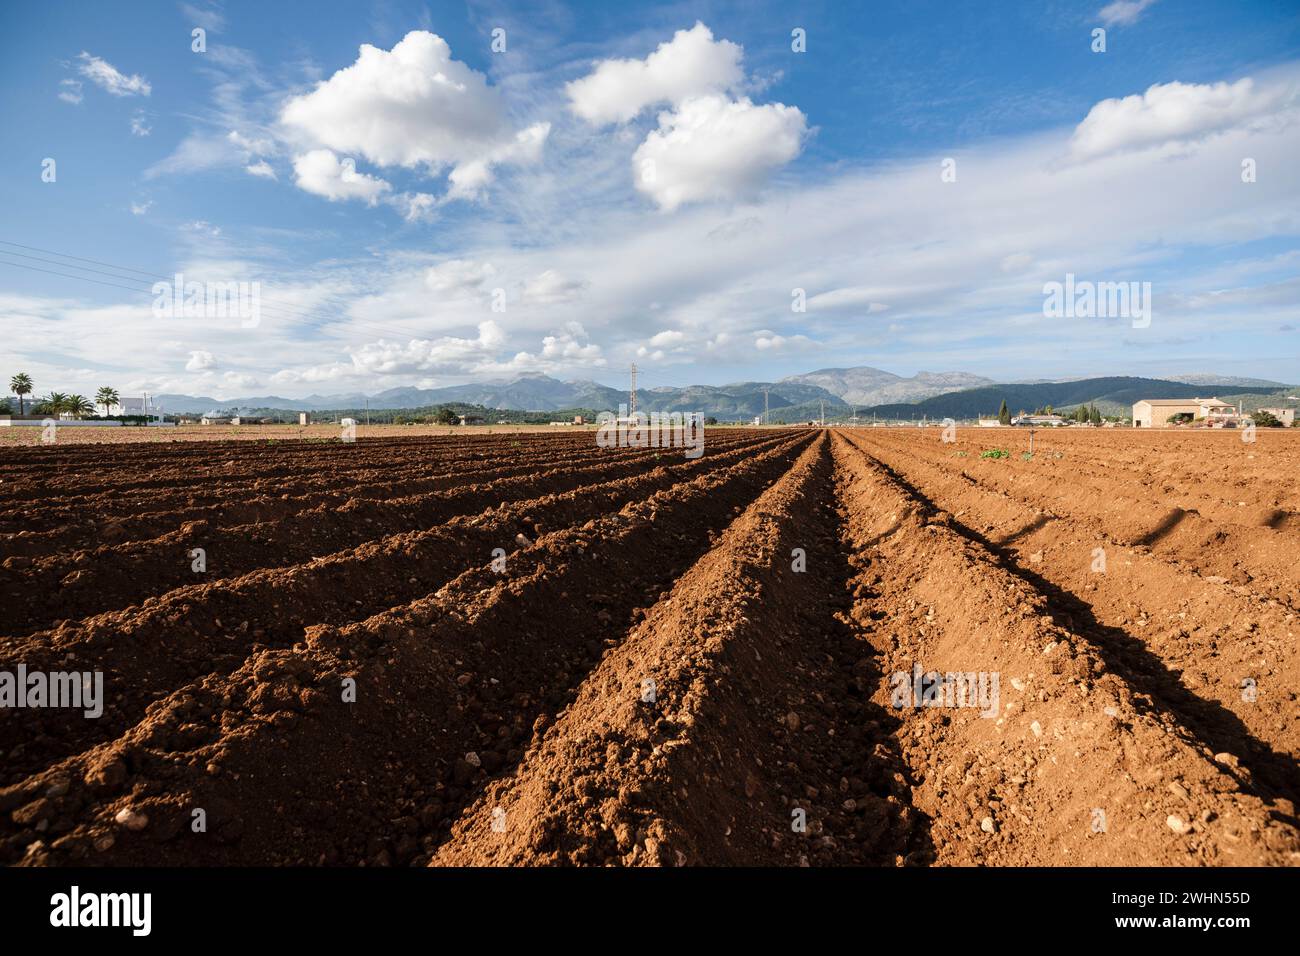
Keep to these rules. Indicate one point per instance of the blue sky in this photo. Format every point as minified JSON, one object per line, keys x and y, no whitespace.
{"x":648,"y":185}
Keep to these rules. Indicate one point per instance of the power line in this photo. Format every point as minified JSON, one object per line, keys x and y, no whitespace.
{"x":98,"y":262}
{"x":275,"y":311}
{"x":19,"y":265}
{"x":275,"y":307}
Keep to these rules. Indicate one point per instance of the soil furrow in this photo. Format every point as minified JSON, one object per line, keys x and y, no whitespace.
{"x":733,"y":726}
{"x":288,"y":771}
{"x":41,"y":592}
{"x":146,"y":653}
{"x":1221,"y":657}
{"x":1071,"y":765}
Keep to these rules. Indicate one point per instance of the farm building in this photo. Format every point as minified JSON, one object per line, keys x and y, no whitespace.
{"x":1285,"y":415}
{"x":137,"y":405}
{"x":1156,"y":412}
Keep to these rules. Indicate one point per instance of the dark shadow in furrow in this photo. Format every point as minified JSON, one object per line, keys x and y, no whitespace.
{"x":1027,"y":530}
{"x":857,"y":661}
{"x":1280,"y":520}
{"x":1166,"y":525}
{"x":1212,"y":724}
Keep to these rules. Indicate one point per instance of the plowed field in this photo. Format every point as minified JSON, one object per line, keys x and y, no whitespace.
{"x":807,"y":647}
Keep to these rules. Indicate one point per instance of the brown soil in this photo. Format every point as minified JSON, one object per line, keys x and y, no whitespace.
{"x":681,"y":663}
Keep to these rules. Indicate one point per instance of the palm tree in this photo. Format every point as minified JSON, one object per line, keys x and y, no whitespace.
{"x":55,"y":403}
{"x":22,"y":385}
{"x":106,"y":396}
{"x":78,"y":405}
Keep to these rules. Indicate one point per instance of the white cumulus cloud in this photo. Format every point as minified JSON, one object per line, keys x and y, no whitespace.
{"x":445,"y":354}
{"x":415,"y":106}
{"x":715,"y":148}
{"x":200,"y":360}
{"x":1174,"y":113}
{"x":323,"y":173}
{"x":690,"y":64}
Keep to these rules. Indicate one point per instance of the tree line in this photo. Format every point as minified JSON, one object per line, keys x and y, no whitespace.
{"x":57,"y":403}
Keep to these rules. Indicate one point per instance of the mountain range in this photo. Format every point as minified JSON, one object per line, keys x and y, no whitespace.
{"x":541,"y":393}
{"x":865,"y":389}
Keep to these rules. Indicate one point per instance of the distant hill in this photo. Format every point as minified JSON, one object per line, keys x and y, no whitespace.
{"x":864,"y":385}
{"x":1107,"y":393}
{"x":1225,"y":381}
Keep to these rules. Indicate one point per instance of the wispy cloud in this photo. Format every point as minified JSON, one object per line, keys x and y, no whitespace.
{"x":110,"y":79}
{"x":1123,"y":12}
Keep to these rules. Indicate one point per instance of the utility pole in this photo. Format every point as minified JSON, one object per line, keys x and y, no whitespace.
{"x":367,"y":409}
{"x":823,"y":413}
{"x":764,"y":406}
{"x":631,"y":404}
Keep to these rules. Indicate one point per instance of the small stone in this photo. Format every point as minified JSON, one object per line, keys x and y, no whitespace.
{"x":1178,"y":824}
{"x":792,"y":720}
{"x":1037,"y":728}
{"x":132,"y":819}
{"x":473,"y":759}
{"x":987,"y":825}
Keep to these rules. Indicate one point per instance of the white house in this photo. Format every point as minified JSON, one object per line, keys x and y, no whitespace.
{"x":136,"y":405}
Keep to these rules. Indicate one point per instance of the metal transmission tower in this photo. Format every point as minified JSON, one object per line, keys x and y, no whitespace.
{"x":631,"y":405}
